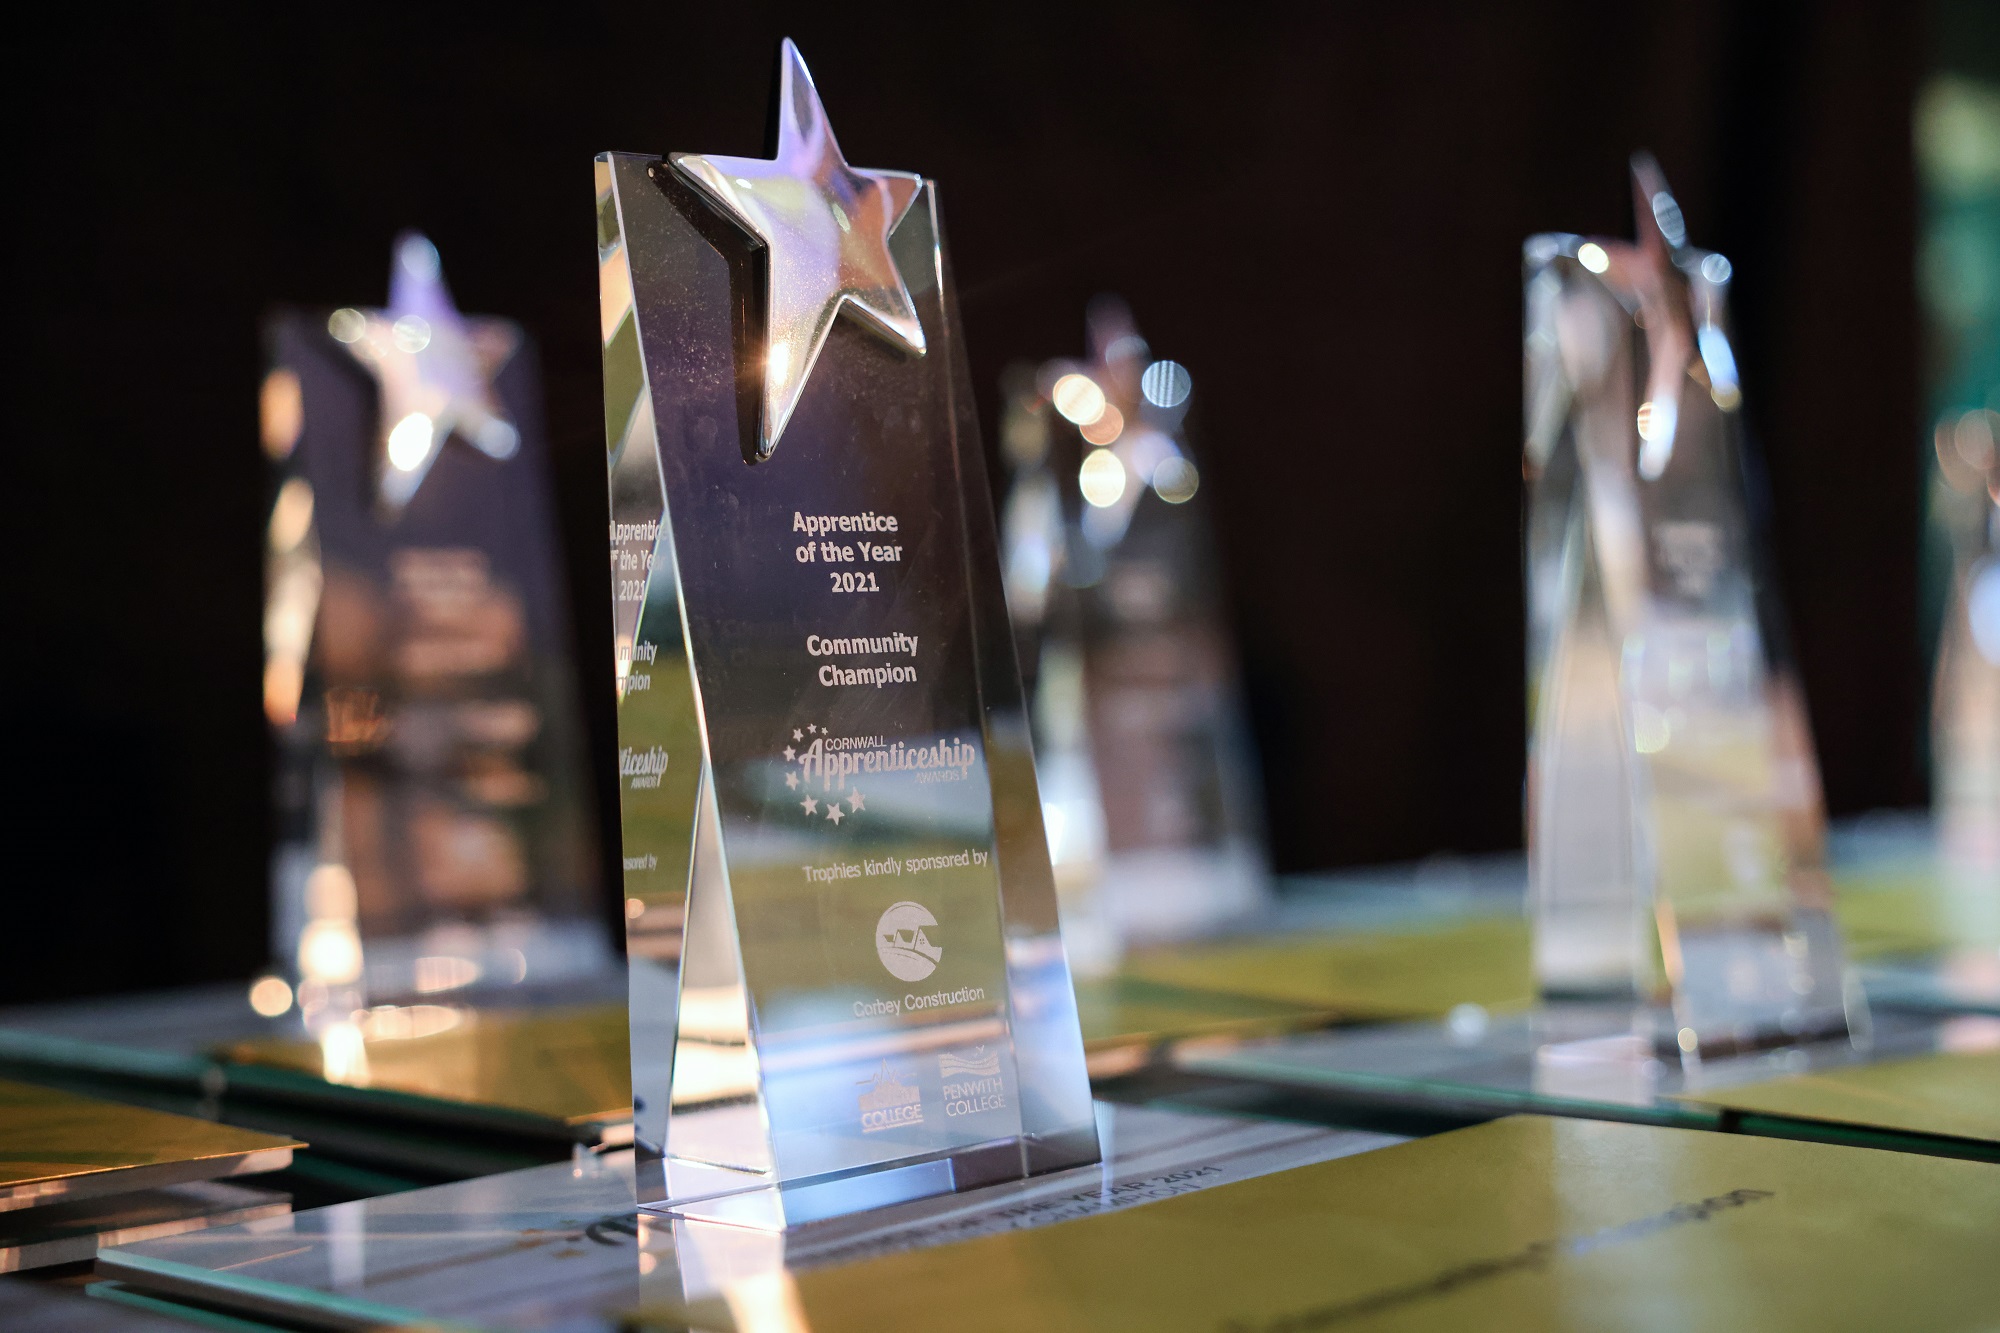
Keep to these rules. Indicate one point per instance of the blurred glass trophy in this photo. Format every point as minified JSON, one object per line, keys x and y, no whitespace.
{"x":1149,"y":781}
{"x":1965,"y":737}
{"x":848,"y":986}
{"x":434,"y":833}
{"x":1675,"y":827}
{"x":1957,"y":124}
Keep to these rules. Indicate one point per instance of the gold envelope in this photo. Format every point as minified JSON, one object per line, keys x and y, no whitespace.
{"x":1527,"y":1223}
{"x":58,"y":1146}
{"x":1423,"y":971}
{"x":1416,"y":972}
{"x":1913,"y":909}
{"x":1125,"y":1019}
{"x":1955,"y":1094}
{"x":568,"y":1066}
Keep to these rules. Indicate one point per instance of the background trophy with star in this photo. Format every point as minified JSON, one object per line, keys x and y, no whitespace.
{"x":1965,"y":707}
{"x":847,"y":981}
{"x":434,"y":828}
{"x":1141,"y":737}
{"x":1675,"y":825}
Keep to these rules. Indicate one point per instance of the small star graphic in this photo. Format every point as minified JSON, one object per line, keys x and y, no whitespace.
{"x":790,"y":754}
{"x":833,"y":812}
{"x":856,"y":801}
{"x":797,"y":735}
{"x":812,"y":726}
{"x":810,"y":805}
{"x":792,"y":781}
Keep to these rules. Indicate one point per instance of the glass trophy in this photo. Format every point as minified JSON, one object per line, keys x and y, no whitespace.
{"x":848,"y":985}
{"x":1957,"y":126}
{"x":1149,"y":781}
{"x":434,"y":832}
{"x":1675,"y":826}
{"x":1965,"y":738}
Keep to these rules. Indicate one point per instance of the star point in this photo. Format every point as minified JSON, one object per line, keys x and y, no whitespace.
{"x":826,"y":228}
{"x":434,"y":369}
{"x":1664,"y":301}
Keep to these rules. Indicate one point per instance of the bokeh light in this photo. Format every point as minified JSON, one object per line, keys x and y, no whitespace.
{"x":1102,"y":479}
{"x":1166,"y":384}
{"x":1078,"y":398}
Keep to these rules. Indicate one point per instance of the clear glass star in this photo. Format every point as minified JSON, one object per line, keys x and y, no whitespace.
{"x":1648,"y":269}
{"x":825,"y":226}
{"x":434,"y":368}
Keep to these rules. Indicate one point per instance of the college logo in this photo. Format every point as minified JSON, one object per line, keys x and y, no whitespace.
{"x":889,"y":1102}
{"x":982,"y":1063}
{"x":901,"y":944}
{"x":972,"y":1082}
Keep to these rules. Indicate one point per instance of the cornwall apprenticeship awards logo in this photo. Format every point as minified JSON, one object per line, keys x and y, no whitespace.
{"x":901,"y":944}
{"x":823,"y":770}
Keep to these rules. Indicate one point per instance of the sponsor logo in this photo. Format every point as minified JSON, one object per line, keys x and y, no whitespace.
{"x":972,"y":1082}
{"x":889,"y":1103}
{"x":982,"y":1063}
{"x":901,"y":944}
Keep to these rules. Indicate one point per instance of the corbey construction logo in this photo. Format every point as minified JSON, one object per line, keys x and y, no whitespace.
{"x":889,"y":1102}
{"x":901,"y":944}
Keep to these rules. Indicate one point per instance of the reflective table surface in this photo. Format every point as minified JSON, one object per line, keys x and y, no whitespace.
{"x":564,"y":1247}
{"x":1602,"y":1062}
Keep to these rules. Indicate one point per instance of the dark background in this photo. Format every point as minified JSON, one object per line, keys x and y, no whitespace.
{"x":1318,"y":210}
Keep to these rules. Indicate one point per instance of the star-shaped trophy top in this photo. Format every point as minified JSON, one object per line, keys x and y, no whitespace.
{"x":1679,"y":292}
{"x":1663,"y":299}
{"x":825,"y":227}
{"x":434,"y":368}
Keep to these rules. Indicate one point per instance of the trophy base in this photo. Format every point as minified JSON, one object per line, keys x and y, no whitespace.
{"x":561,"y":1245}
{"x":682,"y":1187}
